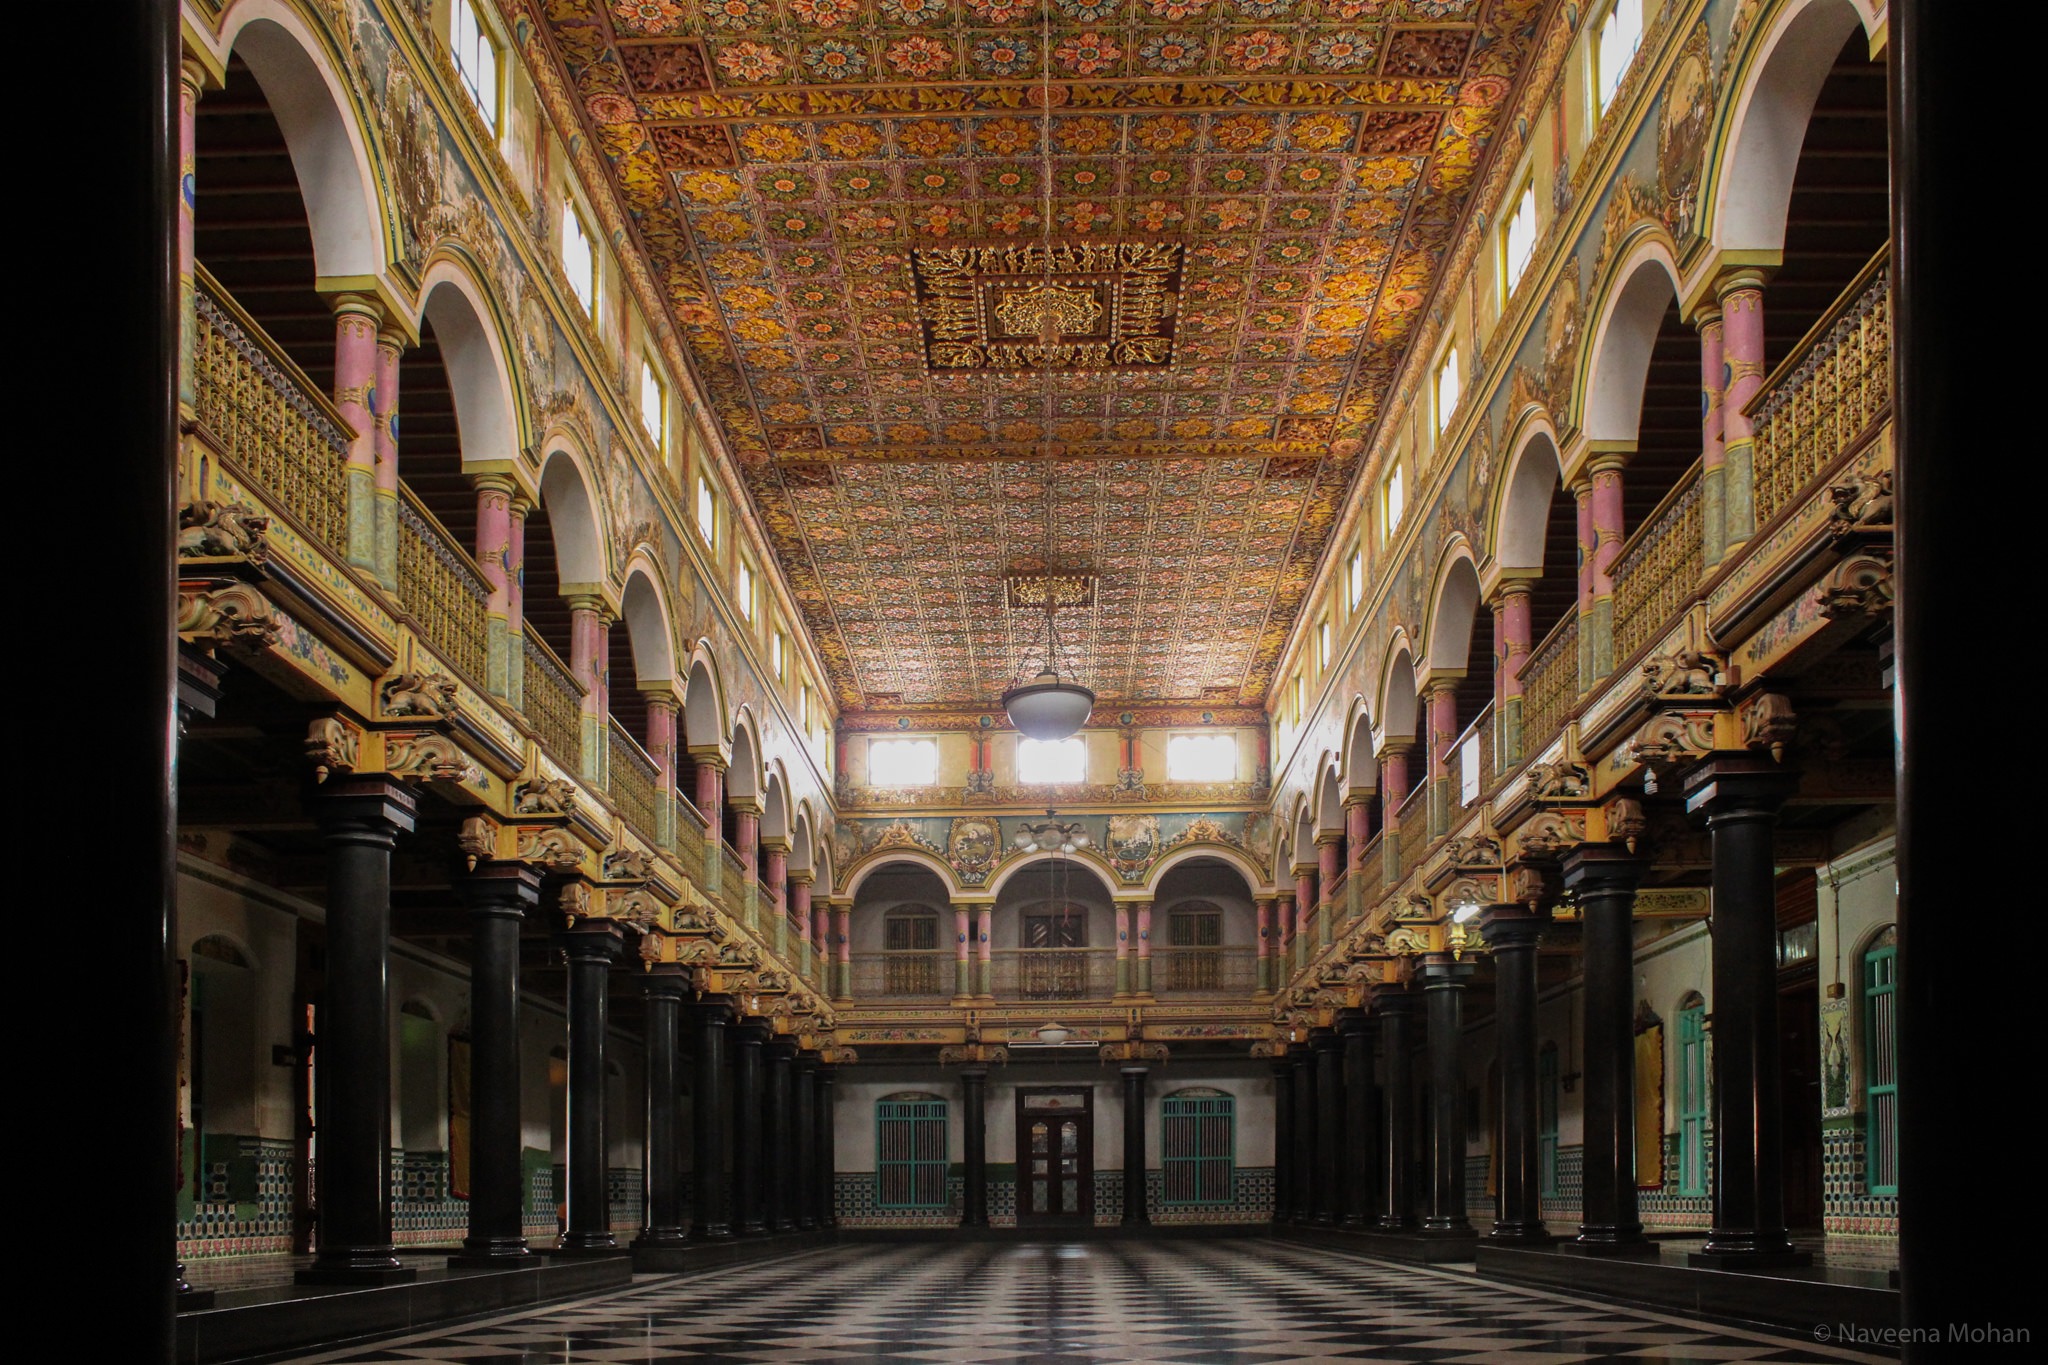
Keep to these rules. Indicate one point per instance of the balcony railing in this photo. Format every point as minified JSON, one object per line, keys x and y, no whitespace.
{"x":1414,"y":835}
{"x":269,"y":419}
{"x":689,"y":836}
{"x":1479,"y":736}
{"x":553,"y":702}
{"x":442,"y":588}
{"x":1054,"y":973}
{"x":1827,"y":394}
{"x":904,"y":975}
{"x":1370,"y":872}
{"x":1659,"y":569}
{"x":1550,"y":684}
{"x":1197,"y":971}
{"x":635,"y":778}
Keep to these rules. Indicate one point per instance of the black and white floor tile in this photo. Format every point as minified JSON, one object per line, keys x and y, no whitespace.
{"x":1098,"y":1303}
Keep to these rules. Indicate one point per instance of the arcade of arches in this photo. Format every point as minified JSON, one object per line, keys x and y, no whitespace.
{"x":615,"y":437}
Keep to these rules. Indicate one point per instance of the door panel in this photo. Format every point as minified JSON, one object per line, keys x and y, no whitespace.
{"x":1055,"y":1156}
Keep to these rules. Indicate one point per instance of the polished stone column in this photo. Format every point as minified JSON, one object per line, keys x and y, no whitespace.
{"x":1330,"y":1150}
{"x":1361,"y":1160}
{"x":1513,"y":933}
{"x":804,"y":1181}
{"x":1135,"y":1213}
{"x":1738,"y":795}
{"x":749,"y":1218}
{"x":1307,"y":1189}
{"x":360,"y":819}
{"x":974,"y":1132}
{"x":779,"y":1158}
{"x":713,"y":1220}
{"x":826,"y":1163}
{"x":589,"y":950}
{"x":1283,"y":1139}
{"x":1604,"y":879}
{"x":662,"y":1222}
{"x":1443,"y":994}
{"x":498,"y":896}
{"x":1397,"y":1043}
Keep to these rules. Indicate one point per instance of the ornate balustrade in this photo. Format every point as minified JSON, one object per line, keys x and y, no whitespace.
{"x":1414,"y":832}
{"x":903,"y":975}
{"x":635,"y":779}
{"x":1829,"y":393}
{"x":1550,"y":684}
{"x":271,"y":422}
{"x":1054,"y":973}
{"x":1369,"y":867}
{"x":689,"y":842}
{"x":442,"y":588}
{"x":1660,"y":568}
{"x":1200,"y":971}
{"x":553,"y":703}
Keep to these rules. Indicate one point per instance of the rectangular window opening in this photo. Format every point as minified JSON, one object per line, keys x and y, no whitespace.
{"x":1201,"y":758}
{"x":903,"y":762}
{"x":1045,"y":761}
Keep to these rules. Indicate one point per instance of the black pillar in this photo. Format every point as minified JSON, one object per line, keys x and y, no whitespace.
{"x":804,"y":1173}
{"x":750,"y":1218}
{"x":1443,"y":993}
{"x":1135,"y":1213}
{"x":1330,"y":1104}
{"x":1738,"y":794}
{"x":712,"y":1219}
{"x":661,"y":1164}
{"x":1604,"y":878}
{"x":1397,"y":1043}
{"x":1283,"y":1139}
{"x":361,"y":819}
{"x":779,"y":1145}
{"x":1305,"y":1101}
{"x":589,"y":949}
{"x":1513,"y":934}
{"x":130,"y":1030}
{"x":826,"y":1166}
{"x":1361,"y":1157}
{"x":974,"y":1131}
{"x":498,"y":896}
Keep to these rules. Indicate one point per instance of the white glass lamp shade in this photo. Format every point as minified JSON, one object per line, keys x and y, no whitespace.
{"x":1047,"y":708}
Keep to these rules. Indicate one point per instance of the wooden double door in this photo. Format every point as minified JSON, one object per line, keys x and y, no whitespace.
{"x":1055,"y":1156}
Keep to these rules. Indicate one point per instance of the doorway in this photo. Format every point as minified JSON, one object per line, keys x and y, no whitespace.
{"x":1055,"y":1156}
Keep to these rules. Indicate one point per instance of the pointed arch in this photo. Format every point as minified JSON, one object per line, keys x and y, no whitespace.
{"x":1630,"y":310}
{"x":1762,"y":124}
{"x":323,"y":131}
{"x":475,"y":350}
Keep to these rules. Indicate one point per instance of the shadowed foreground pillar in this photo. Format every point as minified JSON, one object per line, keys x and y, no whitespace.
{"x":1361,"y":1157}
{"x":590,"y":949}
{"x":713,"y":1219}
{"x":498,"y":895}
{"x":1512,"y":933}
{"x":974,"y":1130}
{"x":662,"y":1223}
{"x":1397,"y":1042}
{"x":1135,"y":1213}
{"x":750,"y":1219}
{"x":1443,"y":993}
{"x":1604,"y":878}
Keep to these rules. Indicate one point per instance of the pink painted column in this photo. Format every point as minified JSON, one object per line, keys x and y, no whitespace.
{"x":821,"y":929}
{"x":661,"y":747}
{"x":190,"y":81}
{"x":1283,"y":927}
{"x":800,"y":905}
{"x":1393,"y":791}
{"x":1123,"y":948}
{"x":1329,"y":862}
{"x":1442,"y":713}
{"x":515,"y":599}
{"x":842,"y":939}
{"x":356,"y":318}
{"x":589,"y":656}
{"x":1512,"y":627}
{"x":1304,"y":906}
{"x":1582,"y":494}
{"x":984,"y":946}
{"x":1713,"y":433}
{"x":390,"y":346}
{"x":494,"y":557}
{"x":711,"y":793}
{"x":1144,"y":978}
{"x":1262,"y":909}
{"x":746,"y":834}
{"x":777,"y":875}
{"x":1742,"y":357}
{"x":1608,"y":533}
{"x":963,"y":950}
{"x":1357,"y":826}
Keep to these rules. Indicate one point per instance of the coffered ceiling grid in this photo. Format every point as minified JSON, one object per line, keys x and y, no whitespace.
{"x":781,"y":160}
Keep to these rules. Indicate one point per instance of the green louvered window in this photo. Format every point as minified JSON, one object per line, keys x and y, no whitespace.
{"x":1692,"y":1100}
{"x":910,"y":1152}
{"x":1197,"y":1144}
{"x":1881,"y":1063}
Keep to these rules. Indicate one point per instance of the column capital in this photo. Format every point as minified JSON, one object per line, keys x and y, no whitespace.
{"x":499,"y":890}
{"x":1442,"y":972}
{"x":1736,"y":783}
{"x":1326,"y":837}
{"x":374,"y":807}
{"x":1354,"y":1023}
{"x":1512,"y":926}
{"x":661,"y":696}
{"x":666,"y":981}
{"x":1324,"y":1040}
{"x":393,"y":313}
{"x":708,"y":756}
{"x":1601,"y":869}
{"x":583,"y":597}
{"x":743,"y":805}
{"x":772,"y":843}
{"x":1738,"y":279}
{"x":593,"y":940}
{"x":1401,"y":1002}
{"x":1353,"y":800}
{"x":802,"y":876}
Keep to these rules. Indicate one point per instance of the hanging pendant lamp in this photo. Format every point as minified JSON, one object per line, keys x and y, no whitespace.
{"x":1049,"y":706}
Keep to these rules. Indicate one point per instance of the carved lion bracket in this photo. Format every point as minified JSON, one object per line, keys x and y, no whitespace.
{"x":542,"y":795}
{"x":226,"y":615}
{"x":430,"y":695}
{"x":427,"y":756}
{"x":1861,"y":585}
{"x":213,"y":530}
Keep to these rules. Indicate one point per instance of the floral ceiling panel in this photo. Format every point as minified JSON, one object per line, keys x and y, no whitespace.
{"x":923,"y":252}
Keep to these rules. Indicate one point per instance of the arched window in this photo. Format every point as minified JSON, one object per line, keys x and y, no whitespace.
{"x":1881,"y":1061}
{"x":1197,"y":1146}
{"x":1692,"y":1095}
{"x":910,"y":951}
{"x":1546,"y":1120}
{"x":910,"y":1151}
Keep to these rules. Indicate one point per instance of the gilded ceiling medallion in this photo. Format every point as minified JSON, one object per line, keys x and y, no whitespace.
{"x":1071,"y":307}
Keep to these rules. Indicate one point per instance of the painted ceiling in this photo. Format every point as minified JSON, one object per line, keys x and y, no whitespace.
{"x":929,"y":385}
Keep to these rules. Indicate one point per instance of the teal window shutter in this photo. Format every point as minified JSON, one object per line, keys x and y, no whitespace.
{"x":1881,"y":1065}
{"x":1692,"y":1100}
{"x":910,"y":1152}
{"x":1198,"y":1145}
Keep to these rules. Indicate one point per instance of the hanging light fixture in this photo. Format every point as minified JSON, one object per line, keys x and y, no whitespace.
{"x":1048,"y":704}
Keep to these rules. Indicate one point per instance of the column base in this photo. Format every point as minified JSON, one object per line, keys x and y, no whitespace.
{"x":1520,"y":1234}
{"x":1394,"y":1223}
{"x":363,"y":1269}
{"x":1609,"y":1243}
{"x":1353,"y":1222}
{"x":1447,"y":1227}
{"x":711,"y":1232}
{"x":587,"y":1244}
{"x":661,"y":1237}
{"x":1324,"y":1220}
{"x":783,"y":1225}
{"x":752,"y":1227}
{"x":807,"y":1224}
{"x":492,"y":1253}
{"x":1748,"y":1253}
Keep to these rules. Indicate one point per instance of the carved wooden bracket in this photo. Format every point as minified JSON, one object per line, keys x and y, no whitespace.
{"x":333,"y":745}
{"x":218,"y":615}
{"x":427,"y":756}
{"x":430,"y":695}
{"x":542,"y":795}
{"x":213,"y":530}
{"x":1861,"y":585}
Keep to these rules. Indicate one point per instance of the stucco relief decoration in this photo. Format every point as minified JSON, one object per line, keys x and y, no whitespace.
{"x":1629,"y":205}
{"x":1685,"y":120}
{"x":1133,"y":844}
{"x":971,"y":847}
{"x":412,"y":154}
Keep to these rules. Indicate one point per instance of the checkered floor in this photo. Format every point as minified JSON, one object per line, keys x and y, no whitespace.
{"x":1216,"y":1303}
